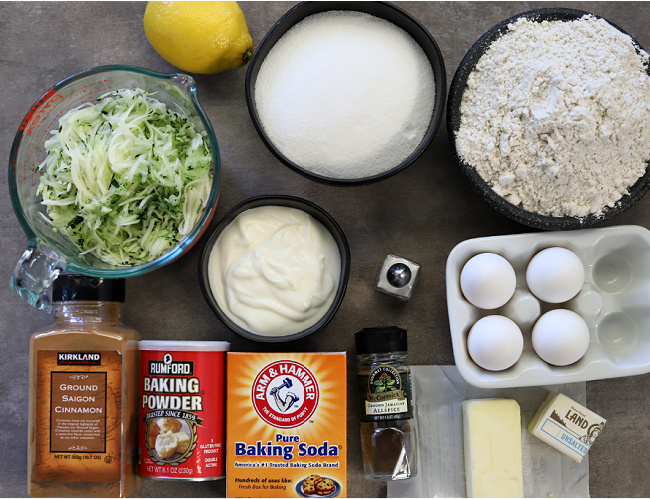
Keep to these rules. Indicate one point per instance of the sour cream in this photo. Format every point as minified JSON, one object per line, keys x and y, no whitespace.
{"x":274,"y":270}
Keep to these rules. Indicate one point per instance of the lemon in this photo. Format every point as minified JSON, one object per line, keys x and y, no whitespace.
{"x":199,"y":37}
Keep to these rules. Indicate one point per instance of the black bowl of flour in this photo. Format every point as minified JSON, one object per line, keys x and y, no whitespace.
{"x":515,"y":211}
{"x":384,"y":11}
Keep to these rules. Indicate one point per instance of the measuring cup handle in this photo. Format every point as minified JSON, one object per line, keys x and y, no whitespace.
{"x":34,"y":273}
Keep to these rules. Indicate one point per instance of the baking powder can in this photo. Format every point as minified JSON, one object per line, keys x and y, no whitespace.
{"x":182,"y":409}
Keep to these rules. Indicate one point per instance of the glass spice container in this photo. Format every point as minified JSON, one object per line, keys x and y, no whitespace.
{"x":82,"y":402}
{"x":388,"y":432}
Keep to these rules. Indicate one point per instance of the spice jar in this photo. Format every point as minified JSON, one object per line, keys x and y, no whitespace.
{"x":82,"y":402}
{"x":388,"y":433}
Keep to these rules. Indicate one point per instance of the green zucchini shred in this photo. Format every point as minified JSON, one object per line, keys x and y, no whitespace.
{"x":125,"y":178}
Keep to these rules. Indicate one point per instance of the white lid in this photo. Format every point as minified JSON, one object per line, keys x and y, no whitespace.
{"x":213,"y":346}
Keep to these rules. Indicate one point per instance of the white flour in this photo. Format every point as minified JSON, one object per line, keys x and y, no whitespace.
{"x":556,"y":116}
{"x":345,"y":94}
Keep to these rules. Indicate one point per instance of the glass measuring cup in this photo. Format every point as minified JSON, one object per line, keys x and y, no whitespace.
{"x":48,"y":252}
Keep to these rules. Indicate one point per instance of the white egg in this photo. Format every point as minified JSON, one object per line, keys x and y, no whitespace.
{"x":488,"y":281}
{"x":555,"y":275}
{"x":560,"y":337}
{"x":495,"y":342}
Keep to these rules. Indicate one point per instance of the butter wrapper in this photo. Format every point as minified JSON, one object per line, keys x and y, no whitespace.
{"x":566,"y":425}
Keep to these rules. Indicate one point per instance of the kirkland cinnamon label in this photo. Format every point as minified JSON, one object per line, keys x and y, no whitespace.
{"x":286,"y":429}
{"x":78,"y":412}
{"x":78,"y":416}
{"x":182,"y":412}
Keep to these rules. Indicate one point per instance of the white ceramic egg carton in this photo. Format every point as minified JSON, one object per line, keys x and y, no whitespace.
{"x":614,"y":302}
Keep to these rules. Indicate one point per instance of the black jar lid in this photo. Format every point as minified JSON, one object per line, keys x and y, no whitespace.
{"x":380,"y":340}
{"x":78,"y":287}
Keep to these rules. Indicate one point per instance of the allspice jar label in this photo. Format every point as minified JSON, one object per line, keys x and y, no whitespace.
{"x":385,"y":394}
{"x":78,"y":416}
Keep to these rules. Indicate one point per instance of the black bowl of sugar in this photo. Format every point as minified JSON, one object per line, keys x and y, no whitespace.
{"x":347,"y":92}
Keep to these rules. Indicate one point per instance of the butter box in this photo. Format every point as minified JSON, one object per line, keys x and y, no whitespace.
{"x":286,"y":425}
{"x":566,"y":425}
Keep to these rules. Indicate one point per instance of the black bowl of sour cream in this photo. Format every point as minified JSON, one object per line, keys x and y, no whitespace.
{"x":275,"y":268}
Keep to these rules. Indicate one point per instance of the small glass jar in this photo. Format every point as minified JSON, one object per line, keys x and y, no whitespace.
{"x":83,"y":394}
{"x":388,"y":432}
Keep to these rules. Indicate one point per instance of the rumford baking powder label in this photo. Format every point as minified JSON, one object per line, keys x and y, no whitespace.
{"x":181,"y":413}
{"x":286,"y":425}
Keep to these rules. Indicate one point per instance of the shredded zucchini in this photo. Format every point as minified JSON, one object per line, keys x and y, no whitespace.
{"x":125,"y":178}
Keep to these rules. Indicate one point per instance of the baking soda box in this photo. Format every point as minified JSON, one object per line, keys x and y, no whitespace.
{"x":286,"y":425}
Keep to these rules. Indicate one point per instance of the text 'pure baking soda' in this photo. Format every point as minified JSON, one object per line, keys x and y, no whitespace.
{"x":286,"y":430}
{"x":182,"y":385}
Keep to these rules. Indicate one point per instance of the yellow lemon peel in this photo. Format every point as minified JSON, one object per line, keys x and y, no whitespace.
{"x":199,"y":37}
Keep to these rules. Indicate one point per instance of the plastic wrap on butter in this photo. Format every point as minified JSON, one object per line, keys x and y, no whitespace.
{"x":566,"y":425}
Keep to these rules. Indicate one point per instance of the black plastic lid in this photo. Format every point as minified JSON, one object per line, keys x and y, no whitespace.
{"x":77,"y":287}
{"x":380,"y":340}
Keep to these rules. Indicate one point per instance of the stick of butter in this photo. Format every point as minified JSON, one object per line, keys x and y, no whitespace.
{"x":566,"y":425}
{"x":492,"y":440}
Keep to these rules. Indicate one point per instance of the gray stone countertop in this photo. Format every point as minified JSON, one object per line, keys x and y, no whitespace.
{"x":421,"y":214}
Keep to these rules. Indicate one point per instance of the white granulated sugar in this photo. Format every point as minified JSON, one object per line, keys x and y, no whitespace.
{"x":345,"y":95}
{"x":556,"y":116}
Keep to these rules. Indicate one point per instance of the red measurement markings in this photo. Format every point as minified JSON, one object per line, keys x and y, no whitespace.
{"x":39,"y":111}
{"x":95,"y":83}
{"x":80,"y":96}
{"x":43,"y":107}
{"x":34,"y":122}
